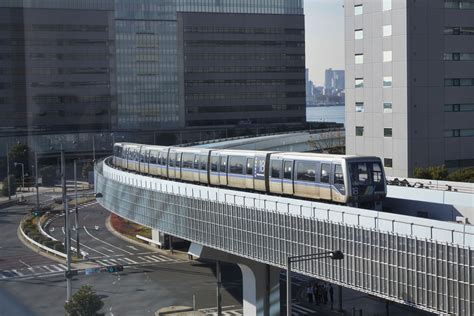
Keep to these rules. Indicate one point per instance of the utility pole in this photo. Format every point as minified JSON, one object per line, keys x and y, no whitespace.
{"x":219,"y":285}
{"x":66,"y":228}
{"x":76,"y":211}
{"x":36,"y":182}
{"x":8,"y":173}
{"x":93,"y":147}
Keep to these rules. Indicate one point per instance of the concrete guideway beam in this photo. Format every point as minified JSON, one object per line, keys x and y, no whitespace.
{"x":261,"y":282}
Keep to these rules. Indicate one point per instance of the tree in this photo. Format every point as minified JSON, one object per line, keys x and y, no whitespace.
{"x":86,"y":168}
{"x":19,"y":153}
{"x":84,"y":302}
{"x":48,"y":175}
{"x":12,"y":186}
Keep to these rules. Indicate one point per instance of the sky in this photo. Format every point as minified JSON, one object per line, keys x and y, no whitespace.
{"x":324,"y":23}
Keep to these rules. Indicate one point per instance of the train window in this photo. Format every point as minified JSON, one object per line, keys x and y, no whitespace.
{"x":306,"y":171}
{"x":338,"y":175}
{"x":203,"y":161}
{"x":288,"y":168}
{"x":236,"y":165}
{"x":275,"y":167}
{"x":178,"y":159}
{"x":188,"y":161}
{"x":172,"y":160}
{"x":214,"y":163}
{"x":250,"y":164}
{"x":223,"y":164}
{"x":359,"y":173}
{"x":153,"y":159}
{"x":196,"y":162}
{"x":325,"y":171}
{"x":377,"y":172}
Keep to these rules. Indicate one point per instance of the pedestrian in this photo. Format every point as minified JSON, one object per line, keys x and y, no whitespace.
{"x":325,"y":293}
{"x":309,"y":293}
{"x":331,"y":295}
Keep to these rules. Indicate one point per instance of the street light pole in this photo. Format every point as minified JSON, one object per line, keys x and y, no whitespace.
{"x":66,"y":228}
{"x":334,"y":255}
{"x":36,"y":182}
{"x":93,"y":147}
{"x":76,"y":211}
{"x":22,"y":174}
{"x":8,"y":174}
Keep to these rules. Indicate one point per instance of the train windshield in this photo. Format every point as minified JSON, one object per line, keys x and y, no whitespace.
{"x":366,"y":173}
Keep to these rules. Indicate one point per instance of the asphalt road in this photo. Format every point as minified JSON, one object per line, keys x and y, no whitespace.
{"x":31,"y":284}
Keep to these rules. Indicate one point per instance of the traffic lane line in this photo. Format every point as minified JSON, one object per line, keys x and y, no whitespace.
{"x":123,"y":250}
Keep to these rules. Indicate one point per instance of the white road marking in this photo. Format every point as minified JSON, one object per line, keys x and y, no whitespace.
{"x":17,"y":272}
{"x":102,"y":263}
{"x":59,"y":269}
{"x":87,"y":232}
{"x":133,"y":248}
{"x":160,"y":258}
{"x":21,"y":261}
{"x":63,"y":266}
{"x":114,"y":261}
{"x":62,"y":228}
{"x":107,"y":249}
{"x":129,"y":260}
{"x":144,"y":259}
{"x":49,"y":269}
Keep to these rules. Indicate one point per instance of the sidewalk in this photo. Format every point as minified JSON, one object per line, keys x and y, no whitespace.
{"x":360,"y":303}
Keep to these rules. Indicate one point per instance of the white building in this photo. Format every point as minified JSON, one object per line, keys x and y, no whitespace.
{"x":410,"y":82}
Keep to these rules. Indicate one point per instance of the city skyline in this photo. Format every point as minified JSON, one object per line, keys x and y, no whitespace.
{"x":319,"y":15}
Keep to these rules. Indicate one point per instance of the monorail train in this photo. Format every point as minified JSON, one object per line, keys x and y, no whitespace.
{"x":357,"y":181}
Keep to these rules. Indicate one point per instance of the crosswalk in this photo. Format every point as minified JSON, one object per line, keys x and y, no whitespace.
{"x":54,"y":269}
{"x":226,"y":311}
{"x":135,"y":260}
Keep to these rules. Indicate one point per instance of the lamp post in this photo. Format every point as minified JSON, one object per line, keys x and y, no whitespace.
{"x":22,"y":174}
{"x":76,"y":211}
{"x":36,"y":182}
{"x":93,"y":147}
{"x":66,"y":228}
{"x":8,"y":174}
{"x":334,"y":255}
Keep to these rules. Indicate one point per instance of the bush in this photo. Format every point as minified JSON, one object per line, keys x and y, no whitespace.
{"x":431,"y":173}
{"x":13,"y":186}
{"x":84,"y":302}
{"x":49,"y":243}
{"x":462,"y":175}
{"x":59,"y":247}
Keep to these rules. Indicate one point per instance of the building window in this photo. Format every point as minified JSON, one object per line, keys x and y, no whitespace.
{"x":459,"y":133}
{"x":359,"y":106}
{"x":359,"y":59}
{"x":462,"y":163}
{"x":358,"y":34}
{"x":459,"y":56}
{"x":386,"y":5}
{"x":388,"y":162}
{"x":359,"y":130}
{"x":387,"y":107}
{"x":467,"y":107}
{"x":387,"y":82}
{"x":387,"y":56}
{"x":359,"y":82}
{"x":459,"y":4}
{"x":387,"y":30}
{"x":358,"y":9}
{"x":387,"y":132}
{"x":458,"y":82}
{"x":456,"y":30}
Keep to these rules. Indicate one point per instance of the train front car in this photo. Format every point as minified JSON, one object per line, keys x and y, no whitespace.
{"x":367,"y":186}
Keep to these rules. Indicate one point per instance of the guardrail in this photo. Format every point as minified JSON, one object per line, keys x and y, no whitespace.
{"x":151,"y":241}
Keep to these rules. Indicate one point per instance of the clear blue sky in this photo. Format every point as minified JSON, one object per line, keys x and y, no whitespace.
{"x":324,"y":21}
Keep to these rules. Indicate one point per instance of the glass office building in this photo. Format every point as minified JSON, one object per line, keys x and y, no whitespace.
{"x":123,"y":65}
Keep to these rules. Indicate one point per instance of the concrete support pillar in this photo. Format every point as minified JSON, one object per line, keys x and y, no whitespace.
{"x":162,"y":239}
{"x":261,"y":282}
{"x":261,"y":289}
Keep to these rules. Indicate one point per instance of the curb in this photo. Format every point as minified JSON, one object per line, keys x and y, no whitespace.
{"x":176,"y":254}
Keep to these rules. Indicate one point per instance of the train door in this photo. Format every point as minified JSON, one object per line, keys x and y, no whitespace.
{"x":325,"y":191}
{"x":172,"y":164}
{"x":276,"y":172}
{"x":288,"y":177}
{"x":249,"y":183}
{"x":223,"y":170}
{"x":214,"y":172}
{"x":178,"y":165}
{"x":337,"y":183}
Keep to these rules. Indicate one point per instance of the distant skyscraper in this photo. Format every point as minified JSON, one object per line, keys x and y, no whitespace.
{"x":410,"y":82}
{"x":334,"y":81}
